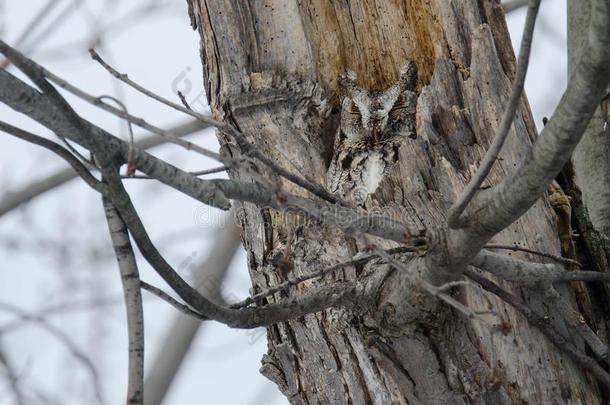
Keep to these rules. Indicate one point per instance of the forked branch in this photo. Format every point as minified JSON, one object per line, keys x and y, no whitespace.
{"x":493,"y":210}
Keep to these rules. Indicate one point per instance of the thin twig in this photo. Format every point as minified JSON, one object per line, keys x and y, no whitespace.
{"x":183,"y":100}
{"x":171,"y":301}
{"x":125,"y":79}
{"x":76,"y":164}
{"x":13,"y":199}
{"x":130,"y":154}
{"x":507,"y":120}
{"x":357,"y":260}
{"x":437,"y":291}
{"x":29,"y":28}
{"x":247,"y":148}
{"x":586,"y":362}
{"x":170,"y":136}
{"x":196,"y":173}
{"x":65,"y":339}
{"x":517,"y":248}
{"x":12,"y":377}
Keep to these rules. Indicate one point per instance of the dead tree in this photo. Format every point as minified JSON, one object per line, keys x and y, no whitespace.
{"x":272,"y":68}
{"x":456,"y":278}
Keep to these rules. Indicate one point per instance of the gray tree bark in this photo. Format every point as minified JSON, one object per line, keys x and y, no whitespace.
{"x":271,"y":67}
{"x":592,"y":157}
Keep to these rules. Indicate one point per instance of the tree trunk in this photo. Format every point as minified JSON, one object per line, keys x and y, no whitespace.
{"x":592,"y":156}
{"x":271,"y":67}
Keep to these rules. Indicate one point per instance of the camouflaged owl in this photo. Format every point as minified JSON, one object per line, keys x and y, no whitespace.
{"x":372,"y":124}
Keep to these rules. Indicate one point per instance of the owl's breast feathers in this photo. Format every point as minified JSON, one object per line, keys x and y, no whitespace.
{"x":358,"y":168}
{"x":373,"y":124}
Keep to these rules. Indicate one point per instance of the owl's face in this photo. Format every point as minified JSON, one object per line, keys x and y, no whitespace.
{"x":375,"y":116}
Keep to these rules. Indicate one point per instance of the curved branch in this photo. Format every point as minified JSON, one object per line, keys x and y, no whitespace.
{"x":182,"y":330}
{"x":170,"y":136}
{"x":336,"y":295}
{"x":185,"y":309}
{"x":493,"y":210}
{"x":543,"y":326}
{"x":507,"y":119}
{"x":76,"y":164}
{"x":247,"y":148}
{"x":14,"y":199}
{"x":25,"y":99}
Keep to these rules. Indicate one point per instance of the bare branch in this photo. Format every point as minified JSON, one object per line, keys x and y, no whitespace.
{"x":14,"y":199}
{"x":591,"y":159}
{"x":14,"y":92}
{"x":65,"y":339}
{"x":437,"y":291}
{"x":336,"y":295}
{"x":185,"y":309}
{"x":247,"y":148}
{"x":125,"y":79}
{"x":53,"y":147}
{"x":12,"y":377}
{"x":182,"y":330}
{"x":513,"y":5}
{"x":357,"y":260}
{"x":314,"y":302}
{"x":516,"y":248}
{"x":533,"y":275}
{"x":492,"y":210}
{"x":196,"y":173}
{"x":96,"y":101}
{"x":524,"y":273}
{"x":589,"y":276}
{"x":575,"y":322}
{"x":543,"y":326}
{"x":130,"y":279}
{"x":21,"y":97}
{"x":250,"y":317}
{"x":507,"y":119}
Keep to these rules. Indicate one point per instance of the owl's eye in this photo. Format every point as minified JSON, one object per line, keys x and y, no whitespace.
{"x":398,"y":107}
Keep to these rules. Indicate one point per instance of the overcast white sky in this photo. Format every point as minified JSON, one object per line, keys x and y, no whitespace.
{"x":36,"y":270}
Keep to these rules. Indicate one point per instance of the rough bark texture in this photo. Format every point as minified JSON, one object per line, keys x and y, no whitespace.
{"x":592,"y":157}
{"x":271,"y":67}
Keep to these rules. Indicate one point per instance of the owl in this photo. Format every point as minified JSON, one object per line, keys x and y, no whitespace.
{"x":372,"y":125}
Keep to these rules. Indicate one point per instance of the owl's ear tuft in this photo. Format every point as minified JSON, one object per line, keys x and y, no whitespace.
{"x":408,"y":76}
